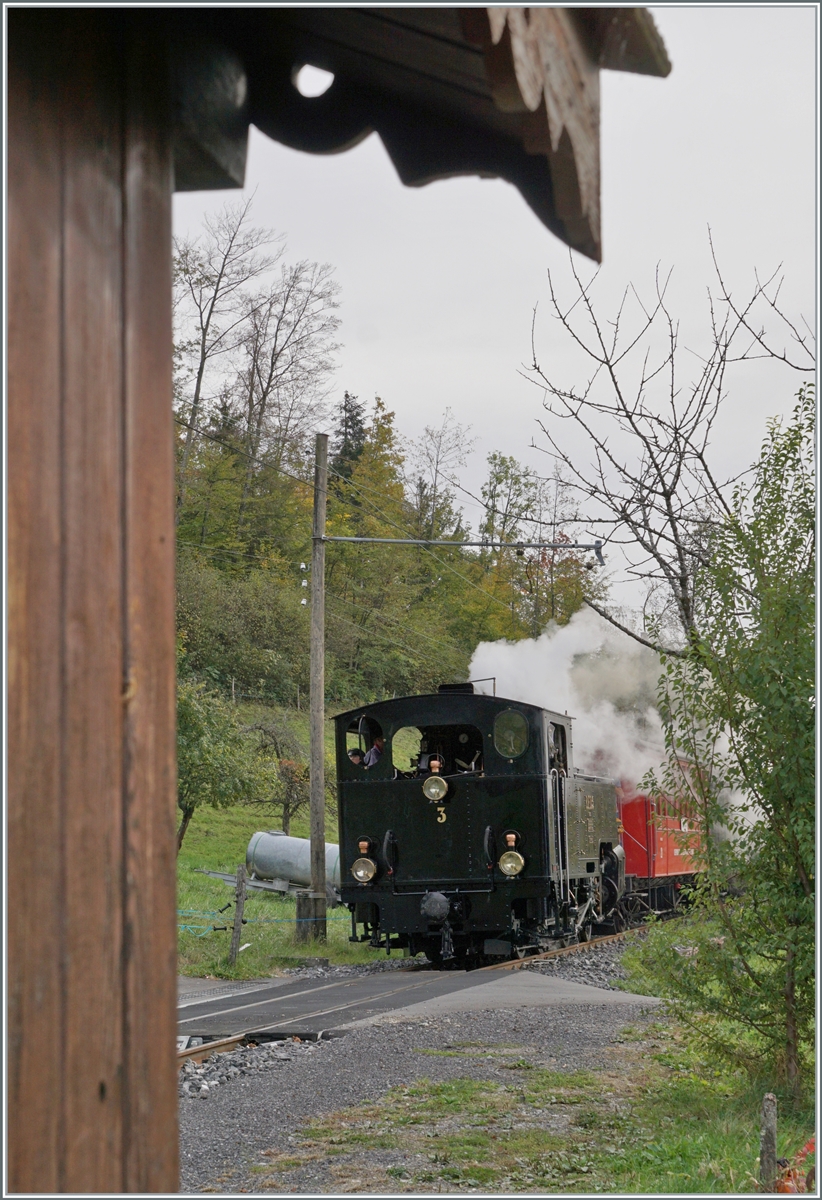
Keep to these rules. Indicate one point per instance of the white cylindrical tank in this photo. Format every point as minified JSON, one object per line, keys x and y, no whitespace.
{"x":274,"y":855}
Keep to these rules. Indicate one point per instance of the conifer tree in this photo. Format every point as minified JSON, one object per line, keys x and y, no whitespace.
{"x":349,"y":435}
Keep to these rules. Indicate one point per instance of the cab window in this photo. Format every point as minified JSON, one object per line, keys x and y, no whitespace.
{"x":557,"y":750}
{"x":366,"y":750}
{"x":511,"y":733}
{"x":422,"y":750}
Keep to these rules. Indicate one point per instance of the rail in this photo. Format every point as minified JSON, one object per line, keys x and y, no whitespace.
{"x":206,"y":1049}
{"x":576,"y":948}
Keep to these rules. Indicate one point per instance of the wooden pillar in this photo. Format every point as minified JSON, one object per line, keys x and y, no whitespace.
{"x":91,"y":776}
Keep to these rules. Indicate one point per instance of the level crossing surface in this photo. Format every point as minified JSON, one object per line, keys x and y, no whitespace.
{"x":311,"y":1007}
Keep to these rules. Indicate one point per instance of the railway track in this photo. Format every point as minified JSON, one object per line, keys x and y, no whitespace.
{"x":576,"y":948}
{"x":200,"y":1053}
{"x":285,"y":994}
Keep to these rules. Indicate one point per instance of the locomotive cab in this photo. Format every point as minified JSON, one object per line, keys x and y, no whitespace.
{"x":468,"y":835}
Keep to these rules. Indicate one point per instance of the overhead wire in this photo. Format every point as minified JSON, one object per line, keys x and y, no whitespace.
{"x":425,"y":549}
{"x":212,"y":549}
{"x":380,"y":637}
{"x":491,"y":511}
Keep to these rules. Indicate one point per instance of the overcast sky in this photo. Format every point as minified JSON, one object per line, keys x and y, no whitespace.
{"x":439,"y":283}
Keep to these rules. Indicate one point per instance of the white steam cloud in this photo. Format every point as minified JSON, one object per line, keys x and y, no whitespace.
{"x":601,"y":677}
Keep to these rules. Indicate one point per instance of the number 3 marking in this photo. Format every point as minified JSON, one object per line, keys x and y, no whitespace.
{"x":441,"y":817}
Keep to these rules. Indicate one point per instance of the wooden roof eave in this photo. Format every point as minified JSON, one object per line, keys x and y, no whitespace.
{"x":500,"y":92}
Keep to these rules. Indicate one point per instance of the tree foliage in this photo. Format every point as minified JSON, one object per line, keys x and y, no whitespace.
{"x":216,"y":762}
{"x":255,"y":364}
{"x":738,"y":712}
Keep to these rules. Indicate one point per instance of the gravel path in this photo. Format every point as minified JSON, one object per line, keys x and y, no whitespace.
{"x":255,"y":1100}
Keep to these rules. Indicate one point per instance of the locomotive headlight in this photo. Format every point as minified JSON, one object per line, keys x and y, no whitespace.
{"x":511,"y":863}
{"x":364,"y":870}
{"x":435,"y":787}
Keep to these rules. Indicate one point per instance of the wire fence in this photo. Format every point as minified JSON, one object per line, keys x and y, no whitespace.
{"x":200,"y":930}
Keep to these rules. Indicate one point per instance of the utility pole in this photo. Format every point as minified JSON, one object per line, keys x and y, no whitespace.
{"x":317,"y":698}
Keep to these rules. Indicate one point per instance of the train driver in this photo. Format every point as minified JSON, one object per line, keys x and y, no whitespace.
{"x":375,"y":753}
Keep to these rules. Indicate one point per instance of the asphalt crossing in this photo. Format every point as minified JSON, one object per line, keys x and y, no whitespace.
{"x":308,"y":1007}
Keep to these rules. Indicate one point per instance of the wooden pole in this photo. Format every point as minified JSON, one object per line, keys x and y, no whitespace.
{"x":767,"y":1145}
{"x":239,"y":905}
{"x":317,"y":699}
{"x":304,"y":927}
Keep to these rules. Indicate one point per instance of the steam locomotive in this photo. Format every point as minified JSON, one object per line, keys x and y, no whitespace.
{"x":471,"y":837}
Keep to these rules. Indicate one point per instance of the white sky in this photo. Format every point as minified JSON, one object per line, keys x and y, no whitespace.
{"x":439,"y":283}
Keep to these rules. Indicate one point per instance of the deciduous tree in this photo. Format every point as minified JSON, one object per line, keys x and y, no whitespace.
{"x":647,"y":473}
{"x":216,"y":762}
{"x":738,"y":712}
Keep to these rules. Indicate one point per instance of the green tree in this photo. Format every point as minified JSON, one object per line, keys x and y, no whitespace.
{"x":247,"y":626}
{"x":216,"y":762}
{"x":537,"y":585}
{"x":386,"y":627}
{"x":349,"y":436}
{"x":286,"y":758}
{"x":738,"y":713}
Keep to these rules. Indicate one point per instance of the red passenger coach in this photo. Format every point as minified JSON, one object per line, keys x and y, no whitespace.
{"x":661,"y":845}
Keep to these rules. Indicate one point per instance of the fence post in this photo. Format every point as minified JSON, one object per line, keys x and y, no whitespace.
{"x":239,"y":905}
{"x":767,"y":1144}
{"x":305,"y":930}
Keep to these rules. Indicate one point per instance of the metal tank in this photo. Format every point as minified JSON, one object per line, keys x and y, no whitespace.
{"x":275,"y":855}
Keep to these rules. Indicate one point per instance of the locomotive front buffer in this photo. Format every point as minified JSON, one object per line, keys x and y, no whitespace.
{"x":468,"y":834}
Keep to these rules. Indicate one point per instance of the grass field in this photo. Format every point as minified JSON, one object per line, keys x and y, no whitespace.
{"x":651,"y":1120}
{"x":216,"y":840}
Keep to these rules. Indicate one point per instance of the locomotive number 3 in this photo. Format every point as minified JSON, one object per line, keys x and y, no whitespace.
{"x":440,"y":815}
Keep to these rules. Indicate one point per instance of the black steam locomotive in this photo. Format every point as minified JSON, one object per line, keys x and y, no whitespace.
{"x":470,"y":836}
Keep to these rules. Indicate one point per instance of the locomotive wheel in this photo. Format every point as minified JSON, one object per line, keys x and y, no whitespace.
{"x":584,"y":932}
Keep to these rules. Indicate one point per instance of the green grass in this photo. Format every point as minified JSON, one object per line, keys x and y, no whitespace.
{"x":216,"y":840}
{"x":652,"y":1120}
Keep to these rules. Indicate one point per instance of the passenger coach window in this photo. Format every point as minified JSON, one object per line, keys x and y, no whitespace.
{"x":511,"y":733}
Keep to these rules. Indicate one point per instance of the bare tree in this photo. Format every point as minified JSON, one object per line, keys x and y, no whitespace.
{"x":211,"y":275}
{"x":436,"y":455}
{"x":649,"y":474}
{"x":287,"y":350}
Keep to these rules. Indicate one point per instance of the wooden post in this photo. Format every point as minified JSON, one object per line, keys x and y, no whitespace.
{"x":239,"y":905}
{"x":317,"y":666}
{"x":92,"y":1077}
{"x":767,"y":1144}
{"x":305,"y":914}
